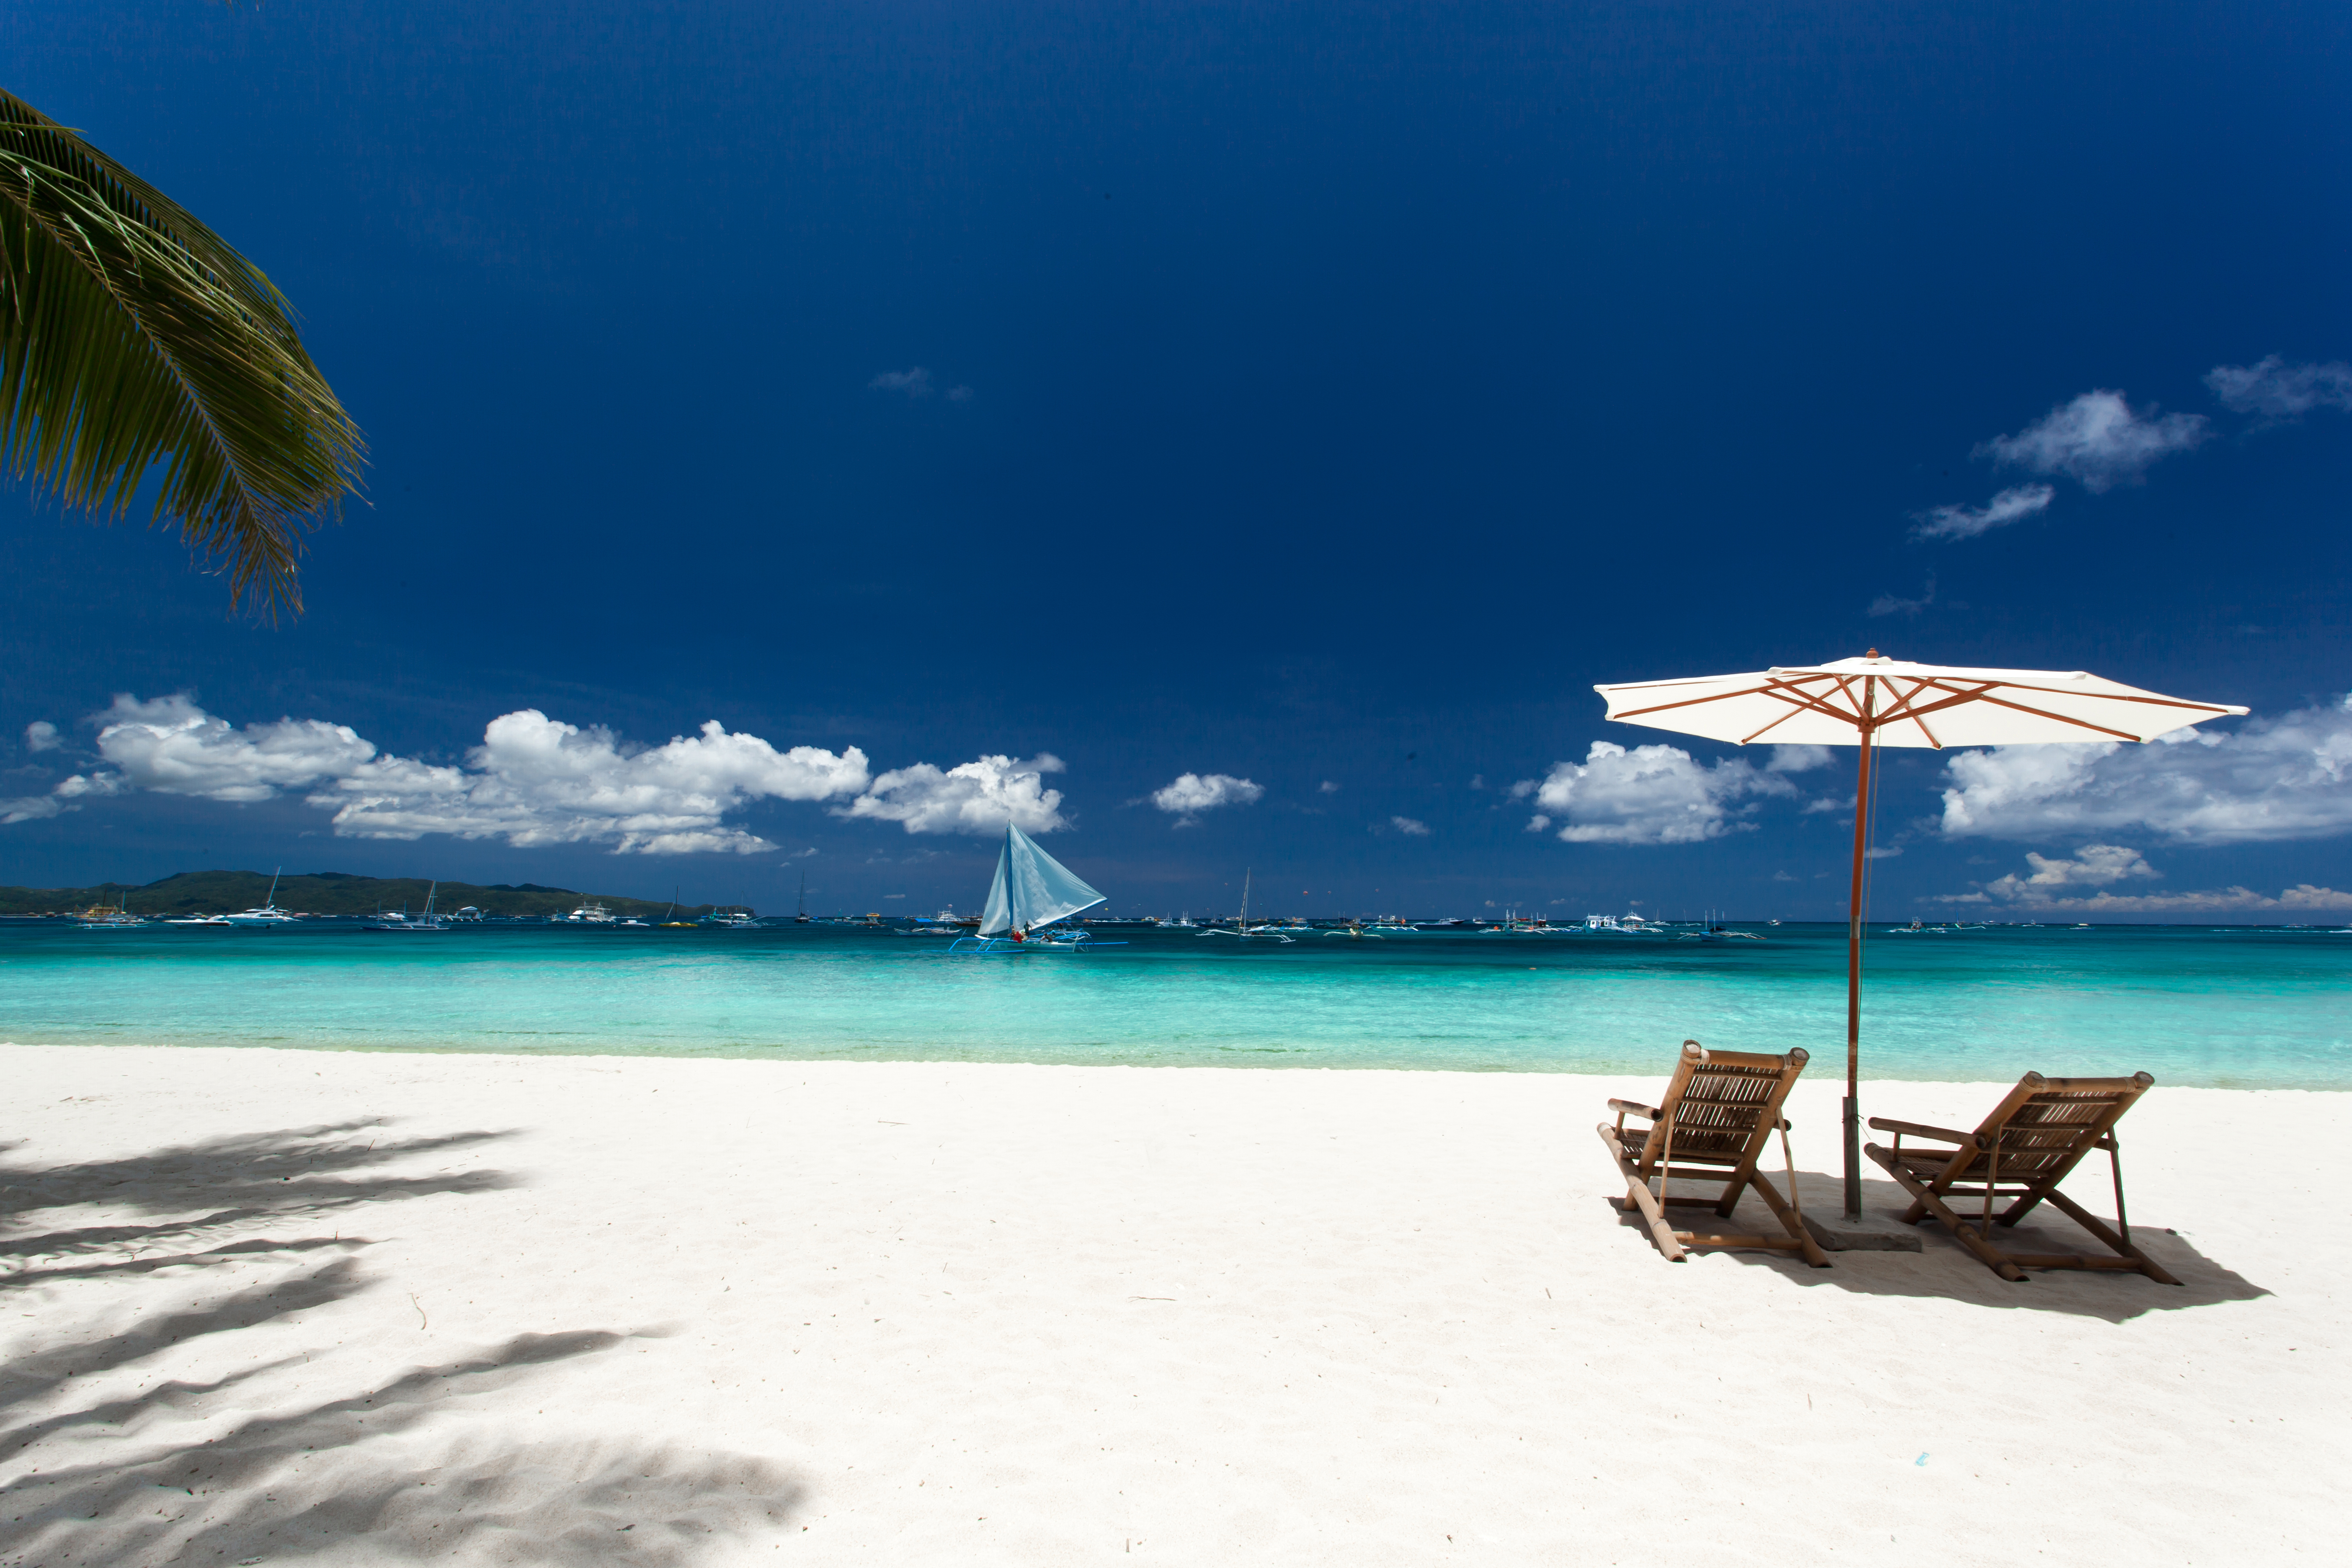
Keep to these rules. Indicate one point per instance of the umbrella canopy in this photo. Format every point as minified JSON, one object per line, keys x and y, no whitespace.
{"x":1895,"y":703}
{"x":1873,"y":702}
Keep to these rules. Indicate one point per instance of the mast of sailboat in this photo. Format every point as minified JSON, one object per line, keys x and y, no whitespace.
{"x":801,"y":912}
{"x":1244,"y":924}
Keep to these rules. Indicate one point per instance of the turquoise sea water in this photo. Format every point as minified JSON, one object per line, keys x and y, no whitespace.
{"x":2230,"y":1007}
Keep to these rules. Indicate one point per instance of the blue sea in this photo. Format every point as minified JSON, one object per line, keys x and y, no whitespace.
{"x":2226,"y":1006}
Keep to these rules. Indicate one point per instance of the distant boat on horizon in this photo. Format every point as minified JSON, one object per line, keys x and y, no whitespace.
{"x":267,"y":913}
{"x":427,"y":921}
{"x":1242,"y":931}
{"x":97,"y":917}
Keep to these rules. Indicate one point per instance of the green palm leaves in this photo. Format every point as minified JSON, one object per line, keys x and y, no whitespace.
{"x":132,"y":336}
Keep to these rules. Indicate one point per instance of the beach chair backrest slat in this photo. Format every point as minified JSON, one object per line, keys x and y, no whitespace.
{"x":2043,"y":1127}
{"x":1721,"y":1103}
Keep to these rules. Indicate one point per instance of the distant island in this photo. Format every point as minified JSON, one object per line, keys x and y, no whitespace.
{"x":320,"y":893}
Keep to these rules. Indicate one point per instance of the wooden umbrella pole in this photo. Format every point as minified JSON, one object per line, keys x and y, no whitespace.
{"x":1853,"y":971}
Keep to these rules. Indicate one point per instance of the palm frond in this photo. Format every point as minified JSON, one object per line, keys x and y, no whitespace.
{"x":132,"y":336}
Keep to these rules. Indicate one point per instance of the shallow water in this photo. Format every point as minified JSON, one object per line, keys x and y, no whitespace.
{"x":2224,"y":1007}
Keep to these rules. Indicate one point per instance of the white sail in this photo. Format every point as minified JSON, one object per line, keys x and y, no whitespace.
{"x":1031,"y":888}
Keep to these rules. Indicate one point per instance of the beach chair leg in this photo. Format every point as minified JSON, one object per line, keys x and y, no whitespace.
{"x":1791,"y":1220}
{"x":2098,"y":1227}
{"x":1638,"y":1195}
{"x":1924,"y":1201}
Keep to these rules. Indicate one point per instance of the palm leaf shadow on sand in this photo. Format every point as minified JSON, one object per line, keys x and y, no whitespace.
{"x":300,"y":1174}
{"x":145,"y":1473}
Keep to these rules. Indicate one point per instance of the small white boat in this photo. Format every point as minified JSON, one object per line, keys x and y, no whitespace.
{"x":405,"y":922}
{"x":267,"y":913}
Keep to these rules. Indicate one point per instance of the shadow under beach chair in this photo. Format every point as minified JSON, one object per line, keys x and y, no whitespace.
{"x":1711,"y":1125}
{"x":2037,"y":1135}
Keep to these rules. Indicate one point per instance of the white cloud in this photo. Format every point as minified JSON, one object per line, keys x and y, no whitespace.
{"x":2098,"y":440}
{"x":915,"y":383}
{"x":1410,"y":826}
{"x":2093,"y":865}
{"x":1191,"y":794}
{"x":1539,"y":822}
{"x":2058,"y":886}
{"x":2276,"y":391}
{"x":1956,"y":521}
{"x":29,"y":809}
{"x":536,"y":780}
{"x":1891,"y":604}
{"x":1327,"y":787}
{"x":1799,"y":759}
{"x":1524,"y":788}
{"x":1650,"y":794}
{"x":2271,"y":781}
{"x":533,"y":781}
{"x":977,"y":796}
{"x":172,"y":746}
{"x":40,"y":735}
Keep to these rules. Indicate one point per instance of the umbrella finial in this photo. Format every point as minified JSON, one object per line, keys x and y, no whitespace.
{"x":1872,"y":653}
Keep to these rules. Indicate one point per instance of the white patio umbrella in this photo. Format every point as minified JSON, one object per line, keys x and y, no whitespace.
{"x":1873,"y":701}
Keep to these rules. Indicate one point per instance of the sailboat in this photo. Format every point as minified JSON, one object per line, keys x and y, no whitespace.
{"x":1243,"y":930}
{"x":267,"y":913}
{"x":404,"y":921}
{"x":1032,"y":892}
{"x":799,"y":911}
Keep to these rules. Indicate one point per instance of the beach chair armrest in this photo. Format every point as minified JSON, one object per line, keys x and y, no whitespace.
{"x":1636,"y":1108}
{"x":1942,"y":1134}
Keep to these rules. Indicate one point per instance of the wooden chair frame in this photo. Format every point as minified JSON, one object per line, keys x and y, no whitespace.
{"x":2039,"y":1131}
{"x":1720,"y":1110}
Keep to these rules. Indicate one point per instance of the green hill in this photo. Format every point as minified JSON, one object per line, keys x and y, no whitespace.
{"x":319,"y":893}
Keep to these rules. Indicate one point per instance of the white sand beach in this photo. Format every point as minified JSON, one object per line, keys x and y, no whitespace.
{"x":282,"y":1306}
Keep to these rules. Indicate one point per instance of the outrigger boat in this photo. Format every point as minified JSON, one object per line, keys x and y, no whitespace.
{"x":1033,"y":892}
{"x":1243,"y":930}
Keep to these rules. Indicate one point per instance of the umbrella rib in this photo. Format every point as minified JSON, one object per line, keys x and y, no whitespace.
{"x":1901,"y":709}
{"x":2038,"y":712}
{"x":2101,"y":696}
{"x":1775,"y":723}
{"x":1801,"y":701}
{"x":1805,"y":701}
{"x":1691,"y":703}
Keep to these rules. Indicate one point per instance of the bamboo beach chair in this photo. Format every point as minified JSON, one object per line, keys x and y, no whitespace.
{"x":2034,"y":1137}
{"x":1711,"y":1125}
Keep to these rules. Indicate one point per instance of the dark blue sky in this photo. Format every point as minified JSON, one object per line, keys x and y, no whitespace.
{"x":1310,"y":393}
